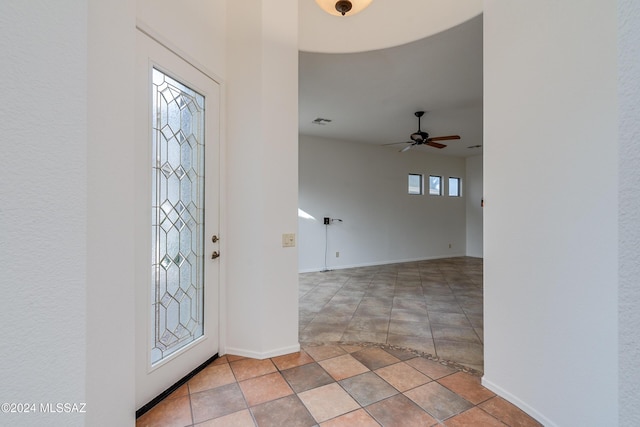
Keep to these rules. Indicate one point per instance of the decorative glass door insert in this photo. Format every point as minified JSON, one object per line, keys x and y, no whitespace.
{"x":177,"y":216}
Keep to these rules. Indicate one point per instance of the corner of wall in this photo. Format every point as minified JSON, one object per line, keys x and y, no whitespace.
{"x":629,"y":211}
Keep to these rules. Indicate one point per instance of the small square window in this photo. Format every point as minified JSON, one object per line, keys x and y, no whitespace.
{"x":454,"y":187}
{"x":415,"y":183}
{"x":435,"y":185}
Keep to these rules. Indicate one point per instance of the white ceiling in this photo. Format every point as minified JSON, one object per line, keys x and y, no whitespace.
{"x":371,"y":96}
{"x":385,"y":23}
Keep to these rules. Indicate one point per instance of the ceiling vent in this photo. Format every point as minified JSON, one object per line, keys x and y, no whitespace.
{"x":321,"y":121}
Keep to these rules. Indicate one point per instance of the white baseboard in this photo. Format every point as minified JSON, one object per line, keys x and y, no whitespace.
{"x":371,"y":264}
{"x":262,"y":355}
{"x":518,"y":402}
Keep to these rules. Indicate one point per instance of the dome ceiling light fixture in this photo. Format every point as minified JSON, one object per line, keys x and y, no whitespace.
{"x":342,"y":7}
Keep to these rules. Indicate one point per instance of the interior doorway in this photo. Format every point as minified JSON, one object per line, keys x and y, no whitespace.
{"x":177,"y":218}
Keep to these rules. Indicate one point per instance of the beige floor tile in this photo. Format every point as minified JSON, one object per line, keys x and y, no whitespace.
{"x":288,"y":411}
{"x":342,"y":367}
{"x":217,"y":402}
{"x":168,"y":413}
{"x":423,"y":344}
{"x":237,"y":419}
{"x":460,"y":351}
{"x":292,"y":360}
{"x":368,"y":388}
{"x":410,"y":328}
{"x":328,"y":402}
{"x":472,"y":418}
{"x":359,"y":418}
{"x":508,"y":413}
{"x":181,"y":391}
{"x":353,"y":335}
{"x":324,"y":351}
{"x":211,"y":377}
{"x":374,"y":358}
{"x":249,"y":368}
{"x":262,"y":389}
{"x":402,"y":376}
{"x":467,"y":386}
{"x":232,"y":358}
{"x":430,"y":368}
{"x":399,"y":411}
{"x":438,"y":401}
{"x":306,"y":377}
{"x":448,"y":333}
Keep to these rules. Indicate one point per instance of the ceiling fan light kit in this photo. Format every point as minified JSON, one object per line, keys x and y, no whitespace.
{"x":343,"y":7}
{"x":422,"y":138}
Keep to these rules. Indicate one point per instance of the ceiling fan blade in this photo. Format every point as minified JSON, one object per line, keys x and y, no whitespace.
{"x":395,"y":143}
{"x":434,"y":144}
{"x":444,"y":138}
{"x":406,"y":148}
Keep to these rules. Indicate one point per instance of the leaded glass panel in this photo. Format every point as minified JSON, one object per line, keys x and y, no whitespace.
{"x":177,"y":216}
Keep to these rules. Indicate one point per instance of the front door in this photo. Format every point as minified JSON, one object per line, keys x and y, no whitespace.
{"x":177,"y":218}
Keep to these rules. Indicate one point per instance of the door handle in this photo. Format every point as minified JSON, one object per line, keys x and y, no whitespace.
{"x":215,"y":255}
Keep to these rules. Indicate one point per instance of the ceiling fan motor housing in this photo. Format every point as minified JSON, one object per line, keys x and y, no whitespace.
{"x":419,"y":136}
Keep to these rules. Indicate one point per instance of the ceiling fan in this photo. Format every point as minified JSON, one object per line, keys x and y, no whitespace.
{"x":422,"y":138}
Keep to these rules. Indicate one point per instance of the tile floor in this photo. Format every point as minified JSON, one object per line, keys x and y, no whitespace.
{"x":392,"y":345}
{"x":333,"y":386}
{"x":432,"y":306}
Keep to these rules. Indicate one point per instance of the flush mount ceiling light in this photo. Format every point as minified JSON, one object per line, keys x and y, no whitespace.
{"x":342,"y":7}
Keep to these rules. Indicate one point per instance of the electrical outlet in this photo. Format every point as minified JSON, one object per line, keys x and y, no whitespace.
{"x":288,"y":240}
{"x":337,"y":254}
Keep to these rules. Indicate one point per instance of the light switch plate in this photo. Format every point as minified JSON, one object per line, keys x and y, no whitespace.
{"x":288,"y":240}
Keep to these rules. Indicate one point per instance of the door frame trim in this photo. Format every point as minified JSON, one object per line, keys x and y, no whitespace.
{"x":158,"y":38}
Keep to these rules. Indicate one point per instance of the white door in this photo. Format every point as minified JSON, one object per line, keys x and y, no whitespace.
{"x":177,"y":217}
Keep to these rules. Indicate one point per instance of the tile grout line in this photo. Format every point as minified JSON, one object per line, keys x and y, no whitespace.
{"x":467,"y":316}
{"x":433,"y":340}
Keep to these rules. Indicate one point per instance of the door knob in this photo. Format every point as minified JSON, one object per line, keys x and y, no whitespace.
{"x":215,"y":255}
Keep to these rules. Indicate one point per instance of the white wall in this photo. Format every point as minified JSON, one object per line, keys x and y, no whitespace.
{"x":109,"y":161}
{"x":551,"y":208}
{"x":66,"y":256}
{"x":262,"y":169}
{"x":196,"y":27}
{"x":629,"y":215}
{"x":366,"y":187}
{"x":43,"y":207}
{"x":473,"y":197}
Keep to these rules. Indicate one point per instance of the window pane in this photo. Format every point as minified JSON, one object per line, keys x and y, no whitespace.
{"x":415,"y":183}
{"x":435,"y":189}
{"x":177,"y":216}
{"x":454,"y":187}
